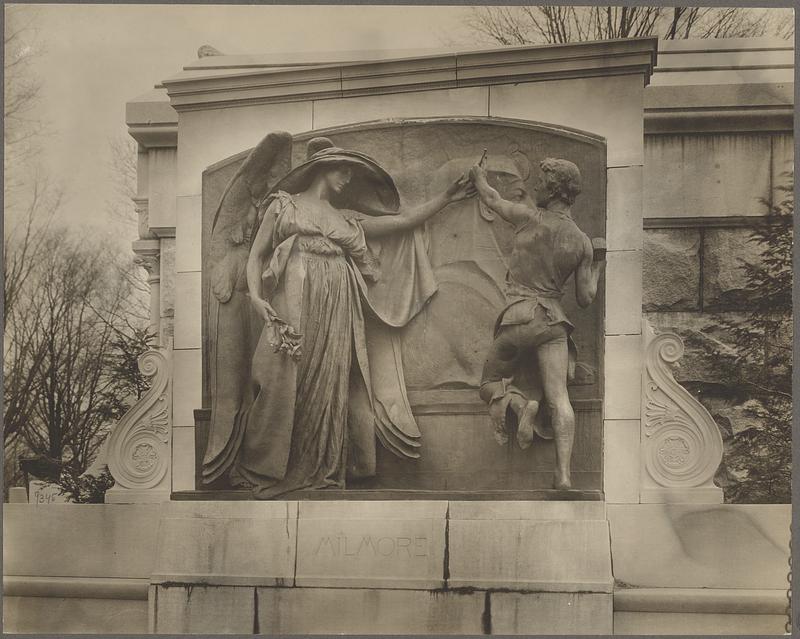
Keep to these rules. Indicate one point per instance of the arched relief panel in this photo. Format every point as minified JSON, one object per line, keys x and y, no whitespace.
{"x":445,"y":346}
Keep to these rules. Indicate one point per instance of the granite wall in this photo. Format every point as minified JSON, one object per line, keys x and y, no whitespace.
{"x":697,"y":268}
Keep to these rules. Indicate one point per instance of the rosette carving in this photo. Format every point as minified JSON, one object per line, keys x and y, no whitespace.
{"x":681,"y":444}
{"x":139,"y":445}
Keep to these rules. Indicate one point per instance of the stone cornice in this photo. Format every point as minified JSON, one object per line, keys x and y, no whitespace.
{"x":195,"y":90}
{"x":723,"y":108}
{"x":148,"y":256}
{"x":151,"y":121}
{"x":732,"y":120}
{"x":154,"y":136}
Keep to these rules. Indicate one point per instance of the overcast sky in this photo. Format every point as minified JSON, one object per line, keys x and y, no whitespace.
{"x":93,"y":58}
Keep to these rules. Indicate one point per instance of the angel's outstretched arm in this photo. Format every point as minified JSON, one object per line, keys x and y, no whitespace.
{"x":262,"y":245}
{"x":409,"y":218}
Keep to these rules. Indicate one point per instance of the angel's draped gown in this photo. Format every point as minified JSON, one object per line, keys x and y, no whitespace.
{"x":312,"y":421}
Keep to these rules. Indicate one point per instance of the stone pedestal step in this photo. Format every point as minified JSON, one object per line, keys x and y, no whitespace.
{"x":360,"y":611}
{"x":383,"y":567}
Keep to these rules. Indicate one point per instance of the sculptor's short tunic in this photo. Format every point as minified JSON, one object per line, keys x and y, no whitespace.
{"x":546,"y":251}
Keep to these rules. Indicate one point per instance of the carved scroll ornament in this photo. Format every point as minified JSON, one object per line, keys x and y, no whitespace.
{"x":139,"y":448}
{"x":681,"y":444}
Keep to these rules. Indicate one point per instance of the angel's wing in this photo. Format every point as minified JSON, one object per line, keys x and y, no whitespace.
{"x":232,"y":325}
{"x":235,"y":216}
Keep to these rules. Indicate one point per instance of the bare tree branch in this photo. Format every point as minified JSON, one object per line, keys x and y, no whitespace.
{"x":544,"y":24}
{"x":70,"y":350}
{"x":122,"y":173}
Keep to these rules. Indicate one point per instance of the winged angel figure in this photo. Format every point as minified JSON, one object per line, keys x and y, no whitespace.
{"x":306,"y":370}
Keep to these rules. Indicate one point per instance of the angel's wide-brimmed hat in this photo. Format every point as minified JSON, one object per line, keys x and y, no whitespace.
{"x":371,"y":189}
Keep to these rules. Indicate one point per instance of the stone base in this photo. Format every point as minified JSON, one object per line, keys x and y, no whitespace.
{"x":383,"y":567}
{"x":680,"y":623}
{"x":700,"y":495}
{"x":357,"y":494}
{"x":550,"y":613}
{"x":459,"y":451}
{"x":460,"y":455}
{"x":699,"y":611}
{"x":372,"y":556}
{"x":359,"y":611}
{"x":73,"y":615}
{"x":237,"y":551}
{"x":725,"y":546}
{"x":125,"y":496}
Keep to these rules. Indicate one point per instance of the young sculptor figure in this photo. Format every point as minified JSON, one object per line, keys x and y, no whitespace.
{"x":532,"y":356}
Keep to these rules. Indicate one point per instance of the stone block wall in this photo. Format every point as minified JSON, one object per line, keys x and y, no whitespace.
{"x":692,"y":267}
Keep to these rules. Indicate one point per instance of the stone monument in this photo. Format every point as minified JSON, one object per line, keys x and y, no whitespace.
{"x":457,"y":535}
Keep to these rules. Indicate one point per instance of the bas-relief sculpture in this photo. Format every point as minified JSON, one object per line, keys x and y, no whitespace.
{"x":335,"y":288}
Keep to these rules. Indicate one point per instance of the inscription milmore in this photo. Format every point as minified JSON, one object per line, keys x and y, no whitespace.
{"x":342,"y":545}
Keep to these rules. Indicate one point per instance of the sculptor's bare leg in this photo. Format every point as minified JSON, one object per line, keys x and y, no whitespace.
{"x":527,"y":414}
{"x":553,"y":362}
{"x":501,"y":364}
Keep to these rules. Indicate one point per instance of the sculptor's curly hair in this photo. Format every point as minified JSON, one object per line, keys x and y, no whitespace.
{"x":562,"y":178}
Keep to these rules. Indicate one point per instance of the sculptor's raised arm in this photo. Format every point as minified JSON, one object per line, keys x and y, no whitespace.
{"x":512,"y":212}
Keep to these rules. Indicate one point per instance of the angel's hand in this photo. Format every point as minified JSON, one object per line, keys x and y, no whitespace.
{"x":477,"y":174}
{"x":461,"y":189}
{"x":263,"y":308}
{"x":237,"y":234}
